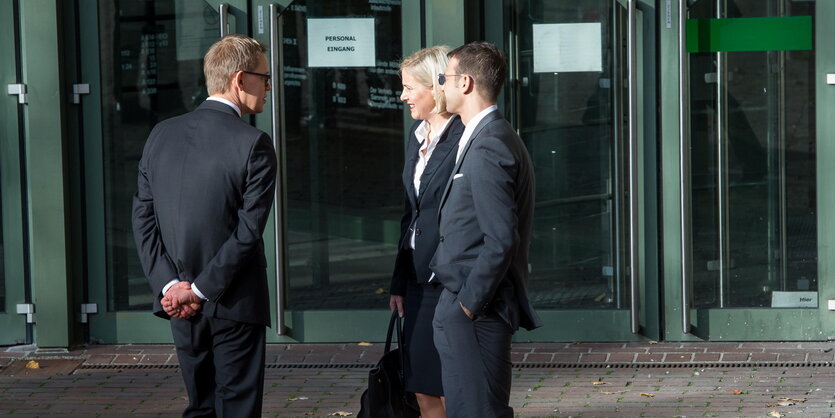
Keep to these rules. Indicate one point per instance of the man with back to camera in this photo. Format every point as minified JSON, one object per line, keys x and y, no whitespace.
{"x":205,"y":188}
{"x":485,"y":229}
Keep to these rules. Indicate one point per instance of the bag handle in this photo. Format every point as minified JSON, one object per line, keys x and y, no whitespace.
{"x":394,"y":323}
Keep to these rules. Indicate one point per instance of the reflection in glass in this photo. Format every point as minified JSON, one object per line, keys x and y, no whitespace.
{"x":567,"y":122}
{"x":152,"y":69}
{"x":344,"y":138}
{"x":753,"y":167}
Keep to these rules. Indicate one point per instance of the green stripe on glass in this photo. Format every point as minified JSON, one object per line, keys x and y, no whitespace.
{"x":750,"y":34}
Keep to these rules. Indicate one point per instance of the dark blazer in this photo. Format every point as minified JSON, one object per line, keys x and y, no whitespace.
{"x":485,"y":225}
{"x":206,"y":185}
{"x":421,"y":210}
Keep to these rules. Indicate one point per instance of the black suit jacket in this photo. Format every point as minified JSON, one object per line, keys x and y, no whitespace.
{"x":422,"y":210}
{"x":485,"y":225}
{"x":205,"y":188}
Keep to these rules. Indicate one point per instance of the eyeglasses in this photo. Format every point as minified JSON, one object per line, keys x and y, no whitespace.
{"x":266,"y":77}
{"x":442,"y":77}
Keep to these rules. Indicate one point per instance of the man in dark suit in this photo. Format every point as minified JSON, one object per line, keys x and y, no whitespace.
{"x":485,"y":229}
{"x":205,"y":188}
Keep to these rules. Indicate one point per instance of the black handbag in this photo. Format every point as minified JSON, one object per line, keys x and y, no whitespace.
{"x":386,"y":396}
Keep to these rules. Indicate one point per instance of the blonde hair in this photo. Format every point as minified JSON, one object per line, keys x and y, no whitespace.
{"x":230,"y":54}
{"x":424,"y":66}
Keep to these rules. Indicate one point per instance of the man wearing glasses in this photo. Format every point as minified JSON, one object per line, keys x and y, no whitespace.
{"x":205,"y":188}
{"x":485,"y":229}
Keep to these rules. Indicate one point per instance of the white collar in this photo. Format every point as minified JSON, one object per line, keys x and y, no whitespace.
{"x":420,"y":132}
{"x":470,"y":128}
{"x":477,"y":118}
{"x":227,"y":102}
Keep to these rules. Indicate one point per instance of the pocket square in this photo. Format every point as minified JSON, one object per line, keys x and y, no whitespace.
{"x":458,"y":176}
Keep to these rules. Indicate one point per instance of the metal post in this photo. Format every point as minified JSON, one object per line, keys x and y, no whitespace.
{"x":632,"y":81}
{"x":684,"y":163}
{"x":223,"y":11}
{"x":280,"y":204}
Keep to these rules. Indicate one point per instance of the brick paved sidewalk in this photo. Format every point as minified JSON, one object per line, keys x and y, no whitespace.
{"x":634,"y":379}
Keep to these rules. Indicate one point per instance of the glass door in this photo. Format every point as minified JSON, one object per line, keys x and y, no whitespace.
{"x":13,"y":329}
{"x":753,"y":158}
{"x":577,"y":97}
{"x":342,"y":131}
{"x":143,"y":61}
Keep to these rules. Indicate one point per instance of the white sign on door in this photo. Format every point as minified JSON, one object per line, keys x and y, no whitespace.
{"x":567,"y":47}
{"x":341,"y":42}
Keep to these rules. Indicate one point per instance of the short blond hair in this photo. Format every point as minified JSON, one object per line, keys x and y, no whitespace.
{"x":424,"y":66}
{"x":230,"y":54}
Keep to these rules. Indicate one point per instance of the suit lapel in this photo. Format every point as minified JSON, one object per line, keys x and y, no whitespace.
{"x":446,"y":148}
{"x":487,"y":119}
{"x":412,"y":149}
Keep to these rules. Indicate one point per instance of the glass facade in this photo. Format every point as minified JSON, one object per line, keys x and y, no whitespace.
{"x":567,"y":118}
{"x":344,"y":139}
{"x":152,"y":69}
{"x":755,"y":202}
{"x":753,"y":136}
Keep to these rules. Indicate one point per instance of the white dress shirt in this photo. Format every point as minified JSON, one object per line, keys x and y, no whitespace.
{"x":424,"y":154}
{"x":469,"y":128}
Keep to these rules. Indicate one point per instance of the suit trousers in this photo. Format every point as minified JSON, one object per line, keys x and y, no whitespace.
{"x":222,"y":363}
{"x":475,"y":360}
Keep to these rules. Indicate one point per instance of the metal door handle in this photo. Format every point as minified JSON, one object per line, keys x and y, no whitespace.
{"x":684,"y":163}
{"x":223,"y":11}
{"x":280,"y":204}
{"x":632,"y":111}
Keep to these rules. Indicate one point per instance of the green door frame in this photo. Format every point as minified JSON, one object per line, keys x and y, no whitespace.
{"x":12,"y":326}
{"x":740,"y":324}
{"x":43,"y":158}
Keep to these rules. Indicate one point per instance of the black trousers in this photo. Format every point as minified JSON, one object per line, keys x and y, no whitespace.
{"x":222,"y":363}
{"x":475,"y":361}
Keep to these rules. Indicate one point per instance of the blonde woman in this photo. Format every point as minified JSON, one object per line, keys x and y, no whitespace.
{"x":430,"y":157}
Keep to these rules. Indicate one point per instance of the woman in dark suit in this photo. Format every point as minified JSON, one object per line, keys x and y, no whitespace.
{"x":430,"y":157}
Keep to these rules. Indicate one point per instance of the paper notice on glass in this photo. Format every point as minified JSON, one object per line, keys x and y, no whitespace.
{"x":341,"y":43}
{"x":567,"y":47}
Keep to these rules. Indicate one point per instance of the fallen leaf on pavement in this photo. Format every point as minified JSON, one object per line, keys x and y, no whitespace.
{"x":340,"y":414}
{"x":364,"y":344}
{"x":776,"y":414}
{"x":32,"y":364}
{"x":648,"y":395}
{"x":599,"y":383}
{"x":737,"y":392}
{"x":379,"y":291}
{"x":786,"y":402}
